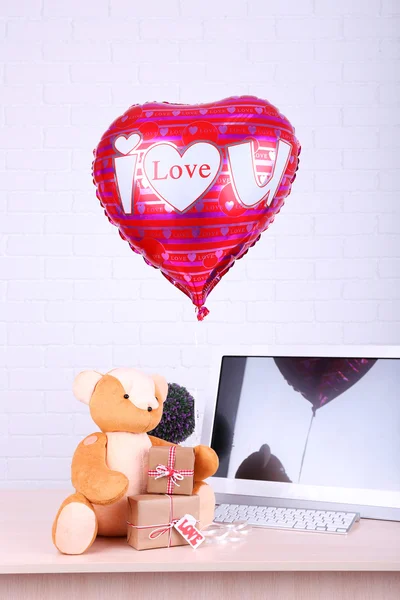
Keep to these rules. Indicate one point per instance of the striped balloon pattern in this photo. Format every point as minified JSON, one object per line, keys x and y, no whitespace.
{"x":192,"y":187}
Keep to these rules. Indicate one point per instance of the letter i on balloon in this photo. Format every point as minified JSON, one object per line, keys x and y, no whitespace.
{"x":125,"y":167}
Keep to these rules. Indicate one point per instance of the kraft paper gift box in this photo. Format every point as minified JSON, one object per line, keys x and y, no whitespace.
{"x":171,"y":470}
{"x":151,"y":519}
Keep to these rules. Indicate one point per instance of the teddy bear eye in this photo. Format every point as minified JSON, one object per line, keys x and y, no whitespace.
{"x":126,"y":396}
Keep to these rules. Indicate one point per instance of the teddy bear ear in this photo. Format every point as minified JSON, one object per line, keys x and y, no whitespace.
{"x":84,"y":385}
{"x":265,"y":451}
{"x":161,"y":387}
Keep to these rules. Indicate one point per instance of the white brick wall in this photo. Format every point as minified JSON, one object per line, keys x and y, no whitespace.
{"x":74,"y":296}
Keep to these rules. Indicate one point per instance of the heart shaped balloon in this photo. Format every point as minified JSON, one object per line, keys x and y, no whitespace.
{"x":321,"y":380}
{"x":192,"y":188}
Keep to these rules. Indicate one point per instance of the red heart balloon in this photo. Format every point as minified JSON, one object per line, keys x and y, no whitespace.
{"x":192,"y":188}
{"x":321,"y":380}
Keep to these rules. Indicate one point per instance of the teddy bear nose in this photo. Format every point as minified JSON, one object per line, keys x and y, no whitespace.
{"x":149,"y":408}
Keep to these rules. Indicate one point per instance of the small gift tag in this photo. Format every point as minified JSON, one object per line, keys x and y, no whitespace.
{"x":186,"y":526}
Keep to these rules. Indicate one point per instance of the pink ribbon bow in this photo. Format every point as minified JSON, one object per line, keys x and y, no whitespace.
{"x":169,"y":471}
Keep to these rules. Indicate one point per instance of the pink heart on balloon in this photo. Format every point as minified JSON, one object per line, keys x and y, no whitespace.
{"x":176,"y":112}
{"x":229,"y":205}
{"x":223,"y":128}
{"x":126,"y":144}
{"x":193,"y":130}
{"x":192,"y":257}
{"x":219,"y":253}
{"x":203,"y":111}
{"x":148,"y":113}
{"x":164,"y":131}
{"x":252,"y":129}
{"x":165,"y":255}
{"x":259,"y":110}
{"x":224,"y":230}
{"x":231,"y":109}
{"x":187,"y":278}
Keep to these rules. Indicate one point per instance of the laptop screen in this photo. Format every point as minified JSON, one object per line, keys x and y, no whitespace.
{"x":315,"y":421}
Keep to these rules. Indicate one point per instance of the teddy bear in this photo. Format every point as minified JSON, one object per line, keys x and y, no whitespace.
{"x":112,"y":463}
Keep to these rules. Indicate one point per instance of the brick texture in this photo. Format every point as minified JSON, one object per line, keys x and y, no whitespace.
{"x":75,"y":297}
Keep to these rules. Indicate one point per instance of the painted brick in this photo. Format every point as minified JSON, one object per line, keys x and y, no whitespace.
{"x":75,"y":297}
{"x":44,"y":333}
{"x":280,"y":312}
{"x":389,"y":311}
{"x":22,"y":8}
{"x":345,"y":269}
{"x":44,"y":30}
{"x":304,"y":333}
{"x":311,"y":290}
{"x":39,"y":290}
{"x":346,"y":312}
{"x":362,"y":290}
{"x":373,"y":334}
{"x":168,"y":28}
{"x":76,"y":8}
{"x":239,"y":29}
{"x":389,"y":267}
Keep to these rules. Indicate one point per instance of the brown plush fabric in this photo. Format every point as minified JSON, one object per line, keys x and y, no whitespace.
{"x":112,"y":412}
{"x":73,"y":498}
{"x":205,"y":463}
{"x":155,"y":441}
{"x":90,"y":475}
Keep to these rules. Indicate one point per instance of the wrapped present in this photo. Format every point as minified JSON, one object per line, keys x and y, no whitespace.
{"x":152,"y":519}
{"x":171,"y":470}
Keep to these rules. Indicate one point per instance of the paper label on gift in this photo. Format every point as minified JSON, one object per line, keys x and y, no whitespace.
{"x":188,"y":530}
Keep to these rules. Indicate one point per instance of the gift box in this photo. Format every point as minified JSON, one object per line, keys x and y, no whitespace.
{"x":171,"y":470}
{"x":151,"y":519}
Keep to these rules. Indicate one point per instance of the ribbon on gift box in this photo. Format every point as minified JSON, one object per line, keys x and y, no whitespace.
{"x":159,"y":529}
{"x":174,"y":475}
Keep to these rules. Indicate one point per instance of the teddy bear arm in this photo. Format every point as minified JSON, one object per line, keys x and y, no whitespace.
{"x":90,"y":474}
{"x":206,"y":462}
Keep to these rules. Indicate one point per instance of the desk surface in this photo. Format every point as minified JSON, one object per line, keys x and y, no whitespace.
{"x":26,"y":547}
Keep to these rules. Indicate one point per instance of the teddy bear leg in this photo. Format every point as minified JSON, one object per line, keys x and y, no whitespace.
{"x":207,"y":503}
{"x":75,"y":526}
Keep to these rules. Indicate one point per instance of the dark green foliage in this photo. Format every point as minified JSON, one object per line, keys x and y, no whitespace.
{"x":178,"y":420}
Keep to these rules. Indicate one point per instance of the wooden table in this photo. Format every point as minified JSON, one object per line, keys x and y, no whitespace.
{"x":269,"y":564}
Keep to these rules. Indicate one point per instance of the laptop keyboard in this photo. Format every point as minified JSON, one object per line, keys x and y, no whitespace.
{"x":319,"y":521}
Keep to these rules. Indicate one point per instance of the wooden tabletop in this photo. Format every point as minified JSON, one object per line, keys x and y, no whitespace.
{"x":26,"y":547}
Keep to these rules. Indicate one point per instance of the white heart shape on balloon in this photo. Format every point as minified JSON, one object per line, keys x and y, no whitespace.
{"x":126,"y":145}
{"x":181,"y":177}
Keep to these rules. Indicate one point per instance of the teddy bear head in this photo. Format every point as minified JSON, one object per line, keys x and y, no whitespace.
{"x":122,"y":399}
